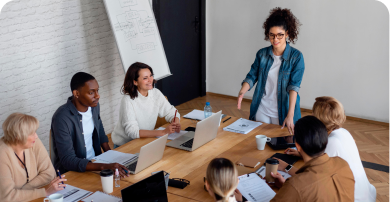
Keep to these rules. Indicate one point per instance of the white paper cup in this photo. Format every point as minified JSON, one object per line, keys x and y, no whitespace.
{"x":54,"y":198}
{"x":107,"y":177}
{"x":261,"y":140}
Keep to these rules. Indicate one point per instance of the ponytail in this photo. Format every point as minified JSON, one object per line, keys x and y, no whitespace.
{"x":222,"y":178}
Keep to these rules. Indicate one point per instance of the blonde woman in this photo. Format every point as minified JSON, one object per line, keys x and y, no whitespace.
{"x":25,"y":165}
{"x":340,"y":143}
{"x":222,"y":180}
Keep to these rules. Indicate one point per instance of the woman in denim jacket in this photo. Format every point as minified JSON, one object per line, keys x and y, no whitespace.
{"x":278,"y":71}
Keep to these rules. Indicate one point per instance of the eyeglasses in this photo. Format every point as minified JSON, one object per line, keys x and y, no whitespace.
{"x":272,"y":36}
{"x":182,"y":180}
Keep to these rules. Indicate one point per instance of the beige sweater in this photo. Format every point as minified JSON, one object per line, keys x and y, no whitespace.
{"x":13,"y":178}
{"x":141,"y":114}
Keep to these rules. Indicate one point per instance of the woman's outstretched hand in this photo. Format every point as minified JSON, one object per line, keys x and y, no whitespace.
{"x":245,"y":87}
{"x":289,"y":122}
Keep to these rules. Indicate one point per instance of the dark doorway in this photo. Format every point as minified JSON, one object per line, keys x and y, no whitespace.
{"x":182,"y":28}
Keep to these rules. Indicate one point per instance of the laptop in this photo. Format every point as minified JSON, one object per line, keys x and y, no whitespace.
{"x":148,"y":155}
{"x":206,"y":130}
{"x":278,"y":143}
{"x":150,"y":189}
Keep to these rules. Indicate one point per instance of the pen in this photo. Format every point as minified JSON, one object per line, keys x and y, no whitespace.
{"x":226,"y":119}
{"x":174,"y":118}
{"x":59,"y":174}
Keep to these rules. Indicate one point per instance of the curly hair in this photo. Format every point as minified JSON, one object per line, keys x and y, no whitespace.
{"x":132,"y":74}
{"x":282,"y":18}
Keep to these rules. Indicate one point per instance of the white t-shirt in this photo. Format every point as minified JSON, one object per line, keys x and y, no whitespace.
{"x":342,"y":144}
{"x":269,"y":101}
{"x":88,"y":128}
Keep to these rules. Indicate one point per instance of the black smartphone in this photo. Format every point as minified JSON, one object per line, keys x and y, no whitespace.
{"x":190,"y":129}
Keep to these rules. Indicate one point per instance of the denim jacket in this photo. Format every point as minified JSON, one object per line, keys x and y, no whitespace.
{"x":68,"y":138}
{"x":290,"y":78}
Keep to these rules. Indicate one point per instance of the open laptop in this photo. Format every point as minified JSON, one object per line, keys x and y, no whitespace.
{"x":206,"y":130}
{"x":148,"y":155}
{"x":150,"y":189}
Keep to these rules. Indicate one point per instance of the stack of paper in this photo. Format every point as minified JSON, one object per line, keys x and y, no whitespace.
{"x":253,"y":188}
{"x":195,"y":114}
{"x":173,"y":136}
{"x":112,"y":156}
{"x":242,"y":126}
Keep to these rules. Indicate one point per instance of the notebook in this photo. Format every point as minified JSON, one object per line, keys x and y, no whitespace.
{"x":248,"y":161}
{"x":72,"y":193}
{"x":102,"y":197}
{"x":174,"y":135}
{"x":198,"y":115}
{"x":112,"y":156}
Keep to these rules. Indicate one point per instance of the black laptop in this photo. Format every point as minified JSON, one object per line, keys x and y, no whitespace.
{"x":278,"y":143}
{"x":147,"y":190}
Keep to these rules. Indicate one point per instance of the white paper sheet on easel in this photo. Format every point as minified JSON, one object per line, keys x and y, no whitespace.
{"x":253,"y":188}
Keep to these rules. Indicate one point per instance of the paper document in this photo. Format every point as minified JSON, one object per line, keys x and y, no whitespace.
{"x":112,"y":156}
{"x":175,"y":135}
{"x":198,"y":115}
{"x":73,"y":194}
{"x":261,"y":171}
{"x":255,"y":189}
{"x":242,"y":126}
{"x":101,"y":197}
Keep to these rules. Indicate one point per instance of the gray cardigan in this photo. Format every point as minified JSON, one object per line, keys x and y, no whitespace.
{"x":68,"y":138}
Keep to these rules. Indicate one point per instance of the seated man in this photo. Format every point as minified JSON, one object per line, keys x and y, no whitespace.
{"x":77,"y":130}
{"x":321,"y":178}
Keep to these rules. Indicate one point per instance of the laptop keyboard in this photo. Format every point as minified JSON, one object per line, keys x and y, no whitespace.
{"x":188,"y":143}
{"x":132,"y":166}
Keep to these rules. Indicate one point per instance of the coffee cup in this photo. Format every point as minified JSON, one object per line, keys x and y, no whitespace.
{"x":271,"y":165}
{"x":261,"y":140}
{"x":107,"y":177}
{"x":54,"y":198}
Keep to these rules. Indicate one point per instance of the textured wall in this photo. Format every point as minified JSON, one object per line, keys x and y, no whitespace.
{"x":42,"y":44}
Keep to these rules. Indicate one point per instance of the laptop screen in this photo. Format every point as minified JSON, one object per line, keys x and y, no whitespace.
{"x":149,"y":189}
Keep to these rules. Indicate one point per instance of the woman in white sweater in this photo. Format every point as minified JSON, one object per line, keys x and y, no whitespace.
{"x":340,"y":143}
{"x":140,"y":106}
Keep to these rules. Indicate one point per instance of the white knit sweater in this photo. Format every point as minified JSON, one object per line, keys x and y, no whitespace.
{"x":141,"y":114}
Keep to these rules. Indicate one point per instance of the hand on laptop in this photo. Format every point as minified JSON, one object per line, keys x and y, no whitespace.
{"x":293,"y":152}
{"x":123,"y":171}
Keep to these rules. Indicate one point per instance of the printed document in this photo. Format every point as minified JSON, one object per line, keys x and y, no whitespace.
{"x":242,"y":126}
{"x":255,"y":189}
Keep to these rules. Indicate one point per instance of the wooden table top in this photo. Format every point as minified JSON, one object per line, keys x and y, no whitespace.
{"x":189,"y":165}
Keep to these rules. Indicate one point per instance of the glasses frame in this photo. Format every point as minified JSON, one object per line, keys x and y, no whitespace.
{"x":275,"y":36}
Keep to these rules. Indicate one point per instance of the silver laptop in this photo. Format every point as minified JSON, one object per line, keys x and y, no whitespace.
{"x":148,"y":155}
{"x":206,"y":130}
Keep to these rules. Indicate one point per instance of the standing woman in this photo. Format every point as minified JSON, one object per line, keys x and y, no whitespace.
{"x":278,"y":71}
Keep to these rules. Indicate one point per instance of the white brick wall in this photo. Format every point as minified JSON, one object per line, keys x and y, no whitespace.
{"x":43,"y":43}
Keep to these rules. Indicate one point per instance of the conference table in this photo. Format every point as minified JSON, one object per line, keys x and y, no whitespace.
{"x":190,"y":165}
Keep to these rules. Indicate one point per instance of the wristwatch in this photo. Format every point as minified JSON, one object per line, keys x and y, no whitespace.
{"x":288,"y":168}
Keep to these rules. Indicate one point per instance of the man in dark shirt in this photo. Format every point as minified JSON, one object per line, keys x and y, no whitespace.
{"x":77,"y":130}
{"x":321,"y":178}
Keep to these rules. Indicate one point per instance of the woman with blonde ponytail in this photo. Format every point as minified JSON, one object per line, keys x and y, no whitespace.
{"x":222,"y":180}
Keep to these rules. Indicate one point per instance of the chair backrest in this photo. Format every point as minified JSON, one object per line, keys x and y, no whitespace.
{"x":51,"y":145}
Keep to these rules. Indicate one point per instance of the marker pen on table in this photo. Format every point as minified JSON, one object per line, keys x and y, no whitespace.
{"x":59,"y":174}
